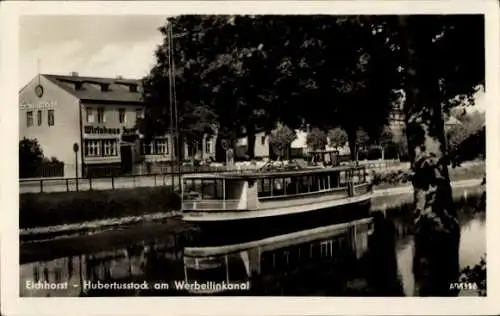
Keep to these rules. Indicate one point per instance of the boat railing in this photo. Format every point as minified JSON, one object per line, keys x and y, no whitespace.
{"x":210,"y":205}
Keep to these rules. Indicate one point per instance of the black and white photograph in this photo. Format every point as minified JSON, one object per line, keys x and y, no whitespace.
{"x":255,"y":154}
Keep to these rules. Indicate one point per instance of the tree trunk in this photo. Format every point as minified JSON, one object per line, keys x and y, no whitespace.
{"x":436,"y":227}
{"x":351,"y":139}
{"x":250,"y":142}
{"x":382,"y":149}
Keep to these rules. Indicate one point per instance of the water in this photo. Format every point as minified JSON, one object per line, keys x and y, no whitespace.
{"x":159,"y":260}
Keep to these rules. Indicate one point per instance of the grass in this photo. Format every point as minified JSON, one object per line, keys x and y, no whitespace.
{"x":48,"y":209}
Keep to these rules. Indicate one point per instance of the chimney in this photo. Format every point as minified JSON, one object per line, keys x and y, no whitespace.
{"x":74,"y":74}
{"x":119,"y":77}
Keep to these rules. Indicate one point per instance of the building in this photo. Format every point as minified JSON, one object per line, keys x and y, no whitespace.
{"x":99,"y":115}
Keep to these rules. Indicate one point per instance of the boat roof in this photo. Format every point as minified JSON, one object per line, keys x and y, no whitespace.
{"x":259,"y":174}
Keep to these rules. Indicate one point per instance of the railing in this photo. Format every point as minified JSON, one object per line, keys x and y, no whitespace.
{"x":98,"y":184}
{"x":213,"y":205}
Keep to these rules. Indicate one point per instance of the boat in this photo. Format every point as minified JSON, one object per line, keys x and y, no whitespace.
{"x":239,"y":206}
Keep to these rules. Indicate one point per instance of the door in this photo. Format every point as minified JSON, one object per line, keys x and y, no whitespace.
{"x":126,"y":158}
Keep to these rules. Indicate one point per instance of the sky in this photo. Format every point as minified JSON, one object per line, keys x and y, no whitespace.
{"x":105,"y":46}
{"x":100,"y":46}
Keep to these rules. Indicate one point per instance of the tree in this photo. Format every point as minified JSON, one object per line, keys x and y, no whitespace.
{"x":316,"y":139}
{"x":337,"y":137}
{"x":30,"y":157}
{"x":383,"y":140}
{"x":280,"y":140}
{"x":362,"y":142}
{"x":432,"y":78}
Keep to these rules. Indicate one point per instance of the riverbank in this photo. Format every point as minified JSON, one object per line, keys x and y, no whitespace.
{"x":382,"y":199}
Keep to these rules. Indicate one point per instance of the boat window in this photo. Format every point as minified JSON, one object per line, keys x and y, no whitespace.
{"x":207,"y":189}
{"x":334,"y":180}
{"x":292,"y":186}
{"x":264,"y":187}
{"x":343,"y":178}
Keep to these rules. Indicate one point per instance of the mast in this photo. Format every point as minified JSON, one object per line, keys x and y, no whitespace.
{"x":176,"y":115}
{"x":171,"y":112}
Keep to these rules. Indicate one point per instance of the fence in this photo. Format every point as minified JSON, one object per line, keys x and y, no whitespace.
{"x":45,"y":170}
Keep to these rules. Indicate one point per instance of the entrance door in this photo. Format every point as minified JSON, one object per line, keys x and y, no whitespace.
{"x":126,"y":158}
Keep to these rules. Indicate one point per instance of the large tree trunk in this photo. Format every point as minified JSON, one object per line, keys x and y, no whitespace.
{"x":436,"y":228}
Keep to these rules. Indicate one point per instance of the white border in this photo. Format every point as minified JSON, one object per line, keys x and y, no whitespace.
{"x":11,"y":304}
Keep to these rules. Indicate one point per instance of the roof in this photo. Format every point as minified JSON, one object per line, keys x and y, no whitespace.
{"x":90,"y":90}
{"x":251,"y":174}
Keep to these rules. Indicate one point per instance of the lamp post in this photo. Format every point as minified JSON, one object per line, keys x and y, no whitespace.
{"x":75,"y":150}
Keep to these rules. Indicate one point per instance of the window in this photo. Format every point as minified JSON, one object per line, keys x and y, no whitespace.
{"x":138,"y":114}
{"x":146,"y":148}
{"x":160,"y":147}
{"x":263,"y":140}
{"x":29,"y":119}
{"x":90,"y":115}
{"x":109,"y":146}
{"x":39,"y":117}
{"x":92,"y":147}
{"x":121,"y":114}
{"x":100,"y":115}
{"x":208,"y":146}
{"x":50,"y":117}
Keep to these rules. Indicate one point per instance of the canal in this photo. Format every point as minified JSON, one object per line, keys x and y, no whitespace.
{"x":153,"y":256}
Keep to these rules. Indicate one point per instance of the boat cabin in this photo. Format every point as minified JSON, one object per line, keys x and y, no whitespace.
{"x":272,"y":191}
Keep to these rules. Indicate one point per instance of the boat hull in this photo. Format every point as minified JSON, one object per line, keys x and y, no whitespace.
{"x":225,"y":232}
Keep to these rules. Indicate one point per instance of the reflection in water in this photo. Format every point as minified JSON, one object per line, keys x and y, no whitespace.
{"x":326,"y":266}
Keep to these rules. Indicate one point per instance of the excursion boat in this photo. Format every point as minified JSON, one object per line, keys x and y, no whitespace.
{"x":236,"y":207}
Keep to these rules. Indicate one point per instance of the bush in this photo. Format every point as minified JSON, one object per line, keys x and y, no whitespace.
{"x":476,"y":275}
{"x":49,"y":209}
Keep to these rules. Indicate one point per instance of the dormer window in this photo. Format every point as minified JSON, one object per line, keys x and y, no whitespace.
{"x":78,"y":86}
{"x":104,"y":87}
{"x":133,"y":88}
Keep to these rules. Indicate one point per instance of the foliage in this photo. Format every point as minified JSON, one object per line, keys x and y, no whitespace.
{"x":362,"y":139}
{"x":466,"y":141}
{"x":337,"y":137}
{"x":316,"y":139}
{"x":30,"y":157}
{"x":476,"y":275}
{"x":280,"y":139}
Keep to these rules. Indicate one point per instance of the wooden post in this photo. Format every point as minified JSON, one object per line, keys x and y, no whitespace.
{"x":224,"y":193}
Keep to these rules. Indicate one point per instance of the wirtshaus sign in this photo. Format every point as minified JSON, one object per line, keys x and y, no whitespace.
{"x":101,"y":130}
{"x":107,"y":130}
